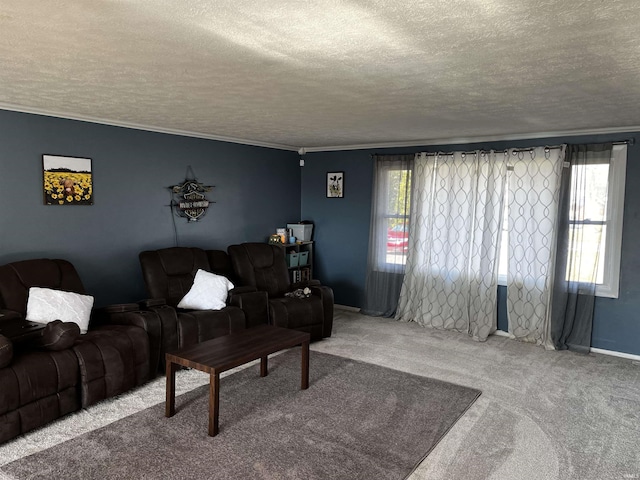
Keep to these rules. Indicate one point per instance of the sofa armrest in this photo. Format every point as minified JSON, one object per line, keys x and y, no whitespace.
{"x":326,"y":293}
{"x":167,"y":336}
{"x":255,"y":306}
{"x":58,"y":335}
{"x":121,"y":308}
{"x":9,"y":315}
{"x":152,"y":302}
{"x":147,"y":319}
{"x":308,"y":283}
{"x":6,"y":351}
{"x":242,"y":289}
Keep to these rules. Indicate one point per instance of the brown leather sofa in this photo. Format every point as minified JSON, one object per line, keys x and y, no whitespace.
{"x":264,"y":267}
{"x":169,"y":274}
{"x":55,"y":370}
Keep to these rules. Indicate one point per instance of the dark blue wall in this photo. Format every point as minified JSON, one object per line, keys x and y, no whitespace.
{"x":343,"y":232}
{"x":341,"y":229}
{"x":256,"y":191}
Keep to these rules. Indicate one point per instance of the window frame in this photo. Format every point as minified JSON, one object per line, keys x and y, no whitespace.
{"x":610,"y":286}
{"x":382,"y":223}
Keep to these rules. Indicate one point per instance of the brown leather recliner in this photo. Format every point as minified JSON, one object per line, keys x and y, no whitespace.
{"x":264,"y":267}
{"x":168,"y":275}
{"x":58,"y":370}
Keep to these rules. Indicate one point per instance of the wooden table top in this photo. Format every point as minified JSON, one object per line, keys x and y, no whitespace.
{"x":230,"y":351}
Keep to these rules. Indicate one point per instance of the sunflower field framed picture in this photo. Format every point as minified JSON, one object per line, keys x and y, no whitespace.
{"x":67,"y":180}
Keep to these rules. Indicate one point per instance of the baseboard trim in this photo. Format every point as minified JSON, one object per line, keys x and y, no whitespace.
{"x":611,"y":353}
{"x":346,"y":307}
{"x":502,"y":333}
{"x":628,"y":356}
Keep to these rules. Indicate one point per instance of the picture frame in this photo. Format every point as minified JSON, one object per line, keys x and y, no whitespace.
{"x":335,"y":184}
{"x":67,"y":180}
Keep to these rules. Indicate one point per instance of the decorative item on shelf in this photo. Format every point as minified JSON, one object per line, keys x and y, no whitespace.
{"x":67,"y":180}
{"x":302,"y":231}
{"x":275,"y":240}
{"x":292,"y":259}
{"x":305,"y":275}
{"x":189,"y":199}
{"x":299,"y":293}
{"x":283,"y":234}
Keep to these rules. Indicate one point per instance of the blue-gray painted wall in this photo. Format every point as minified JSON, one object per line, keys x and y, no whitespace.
{"x":256,"y":191}
{"x":342,"y":228}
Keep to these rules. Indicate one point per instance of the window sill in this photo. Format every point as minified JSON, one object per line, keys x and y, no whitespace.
{"x":604,"y":291}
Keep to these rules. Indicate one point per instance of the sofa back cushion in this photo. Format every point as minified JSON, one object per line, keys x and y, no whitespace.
{"x":220,"y":264}
{"x":169,"y":272}
{"x":16,"y":278}
{"x":262,"y":266}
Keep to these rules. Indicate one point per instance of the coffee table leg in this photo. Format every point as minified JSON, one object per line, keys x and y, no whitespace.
{"x":214,"y":403}
{"x":304,"y":384}
{"x":170,"y":404}
{"x":264,"y":369}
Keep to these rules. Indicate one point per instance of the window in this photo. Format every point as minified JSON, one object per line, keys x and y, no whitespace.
{"x":603,"y":213}
{"x":393,"y":221}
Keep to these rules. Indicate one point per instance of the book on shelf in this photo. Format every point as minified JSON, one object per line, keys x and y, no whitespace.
{"x":305,"y":274}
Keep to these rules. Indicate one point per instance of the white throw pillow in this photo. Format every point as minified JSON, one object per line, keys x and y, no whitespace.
{"x":208,"y":292}
{"x":45,"y":305}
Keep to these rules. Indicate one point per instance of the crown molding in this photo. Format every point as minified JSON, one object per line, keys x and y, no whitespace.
{"x":329,"y":148}
{"x":147,"y":128}
{"x":479,"y":139}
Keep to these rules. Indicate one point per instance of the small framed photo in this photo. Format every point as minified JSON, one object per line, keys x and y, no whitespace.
{"x":335,"y":184}
{"x":67,"y":180}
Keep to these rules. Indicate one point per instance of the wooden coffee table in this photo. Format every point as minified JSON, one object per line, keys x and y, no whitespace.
{"x":224,"y":353}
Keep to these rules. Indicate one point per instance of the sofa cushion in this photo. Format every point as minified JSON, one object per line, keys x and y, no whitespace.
{"x":168,"y":273}
{"x":58,"y":335}
{"x":208,"y":292}
{"x":6,"y":351}
{"x":17,"y":277}
{"x":45,"y":305}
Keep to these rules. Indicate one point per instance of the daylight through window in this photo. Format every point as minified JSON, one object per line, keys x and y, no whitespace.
{"x":602,"y":216}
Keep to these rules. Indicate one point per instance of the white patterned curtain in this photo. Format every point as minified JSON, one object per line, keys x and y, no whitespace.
{"x":451,"y":274}
{"x":534,"y":185}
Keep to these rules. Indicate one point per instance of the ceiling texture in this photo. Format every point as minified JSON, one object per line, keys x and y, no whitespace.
{"x":328,"y":74}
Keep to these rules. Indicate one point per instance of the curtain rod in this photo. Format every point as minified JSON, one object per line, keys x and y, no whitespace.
{"x":472,"y":152}
{"x":629,"y":141}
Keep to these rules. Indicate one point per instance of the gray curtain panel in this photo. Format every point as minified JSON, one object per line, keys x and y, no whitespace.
{"x":576,"y":269}
{"x":389,"y":233}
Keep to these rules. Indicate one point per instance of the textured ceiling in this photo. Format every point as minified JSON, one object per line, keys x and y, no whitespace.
{"x":327,"y":73}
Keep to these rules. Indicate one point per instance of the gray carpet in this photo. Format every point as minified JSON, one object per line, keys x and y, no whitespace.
{"x":542,"y":415}
{"x":356,"y":421}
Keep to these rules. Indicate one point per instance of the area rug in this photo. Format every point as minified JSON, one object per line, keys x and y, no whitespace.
{"x":356,"y":421}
